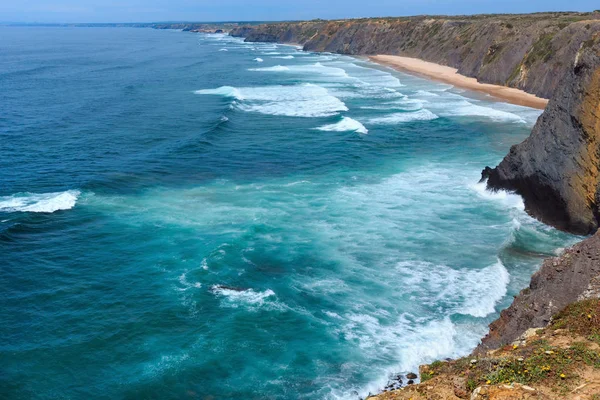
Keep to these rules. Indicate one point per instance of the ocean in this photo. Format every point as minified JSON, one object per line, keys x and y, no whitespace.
{"x":190,"y":216}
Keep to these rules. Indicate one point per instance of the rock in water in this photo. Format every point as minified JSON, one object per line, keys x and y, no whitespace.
{"x":556,"y":169}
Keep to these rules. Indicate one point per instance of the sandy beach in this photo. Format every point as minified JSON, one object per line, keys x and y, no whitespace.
{"x":450,"y":75}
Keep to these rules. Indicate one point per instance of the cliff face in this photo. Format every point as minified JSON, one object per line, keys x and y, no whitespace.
{"x":574,"y":276}
{"x":529,"y":52}
{"x":546,"y":345}
{"x":556,"y":169}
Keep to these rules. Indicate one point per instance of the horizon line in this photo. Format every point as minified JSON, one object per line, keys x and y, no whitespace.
{"x":291,"y":20}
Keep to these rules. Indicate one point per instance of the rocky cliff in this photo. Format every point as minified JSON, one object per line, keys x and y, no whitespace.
{"x":546,"y":345}
{"x":529,"y":52}
{"x":574,"y":276}
{"x":556,"y":169}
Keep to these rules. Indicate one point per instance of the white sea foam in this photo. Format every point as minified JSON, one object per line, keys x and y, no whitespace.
{"x":464,"y":291}
{"x":187,"y":285}
{"x":463,"y":108}
{"x":391,"y":119}
{"x":316,"y":71}
{"x":412,"y":343}
{"x":345,"y":124}
{"x":320,"y":69}
{"x":331,"y":314}
{"x":306,"y":100}
{"x":284,"y":57}
{"x":234,"y":298}
{"x":225,"y":91}
{"x":402,"y":104}
{"x":258,"y":59}
{"x":163,"y":364}
{"x":426,"y":93}
{"x":204,"y":264}
{"x":223,"y":50}
{"x":41,"y":203}
{"x":508,"y":199}
{"x":276,"y":68}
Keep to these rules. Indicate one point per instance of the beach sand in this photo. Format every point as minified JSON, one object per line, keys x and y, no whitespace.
{"x":450,"y":75}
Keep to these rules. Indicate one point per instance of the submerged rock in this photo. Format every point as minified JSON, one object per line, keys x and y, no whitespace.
{"x":225,"y":287}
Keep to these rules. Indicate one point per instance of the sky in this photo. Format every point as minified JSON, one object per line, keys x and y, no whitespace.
{"x":56,"y":11}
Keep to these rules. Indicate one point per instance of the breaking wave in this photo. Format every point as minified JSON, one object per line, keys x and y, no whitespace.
{"x":305,"y":100}
{"x":276,"y":68}
{"x":39,"y":202}
{"x":345,"y":124}
{"x":391,"y":119}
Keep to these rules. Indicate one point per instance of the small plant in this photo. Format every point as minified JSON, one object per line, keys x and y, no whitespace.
{"x":472,"y":384}
{"x":425,"y":376}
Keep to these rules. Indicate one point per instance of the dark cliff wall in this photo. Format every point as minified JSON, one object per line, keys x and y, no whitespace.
{"x":529,"y":52}
{"x":556,"y":169}
{"x":573,"y":276}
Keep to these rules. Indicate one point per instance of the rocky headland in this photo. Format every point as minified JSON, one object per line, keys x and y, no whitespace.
{"x":556,"y":169}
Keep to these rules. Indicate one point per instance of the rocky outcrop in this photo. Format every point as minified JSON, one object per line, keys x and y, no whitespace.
{"x":574,"y":276}
{"x":556,"y":169}
{"x":546,"y":345}
{"x":529,"y":52}
{"x":559,"y":362}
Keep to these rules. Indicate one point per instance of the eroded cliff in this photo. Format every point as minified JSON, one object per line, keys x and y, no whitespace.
{"x":556,"y":169}
{"x":529,"y":52}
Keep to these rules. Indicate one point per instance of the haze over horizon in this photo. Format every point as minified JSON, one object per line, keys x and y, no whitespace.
{"x":97,"y":11}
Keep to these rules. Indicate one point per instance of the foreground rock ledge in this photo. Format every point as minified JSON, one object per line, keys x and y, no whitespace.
{"x":560,"y":362}
{"x":534,"y":350}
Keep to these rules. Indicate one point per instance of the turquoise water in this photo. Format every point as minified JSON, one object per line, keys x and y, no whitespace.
{"x":186,"y":216}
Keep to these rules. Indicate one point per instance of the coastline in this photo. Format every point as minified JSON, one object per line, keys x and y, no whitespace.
{"x":450,"y":75}
{"x":507,"y":327}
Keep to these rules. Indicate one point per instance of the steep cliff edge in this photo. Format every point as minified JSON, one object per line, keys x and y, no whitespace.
{"x":574,"y":276}
{"x":529,"y":52}
{"x":556,"y":169}
{"x":546,"y":345}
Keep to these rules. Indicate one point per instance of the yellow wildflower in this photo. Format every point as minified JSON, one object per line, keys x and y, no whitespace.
{"x":563,"y":376}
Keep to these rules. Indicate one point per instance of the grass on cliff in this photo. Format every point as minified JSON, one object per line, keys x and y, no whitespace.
{"x":540,"y":51}
{"x":538,"y":361}
{"x":581,"y":318}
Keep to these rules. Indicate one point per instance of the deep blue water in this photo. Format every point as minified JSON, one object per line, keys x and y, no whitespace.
{"x":186,"y":216}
